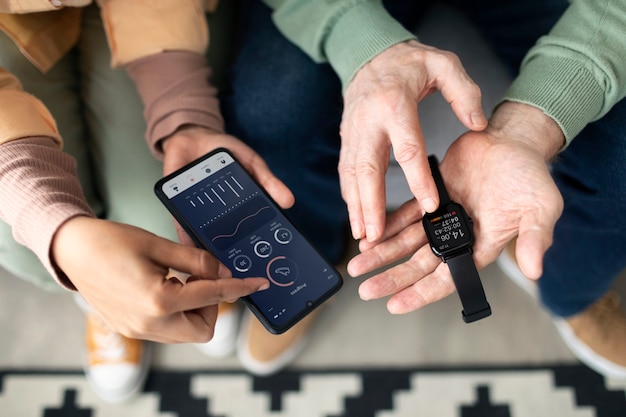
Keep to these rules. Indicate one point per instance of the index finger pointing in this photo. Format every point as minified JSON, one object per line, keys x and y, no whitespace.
{"x":410,"y":152}
{"x":205,"y":292}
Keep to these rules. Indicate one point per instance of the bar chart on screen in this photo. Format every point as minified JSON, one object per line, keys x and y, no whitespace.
{"x":224,"y":191}
{"x":225,"y":206}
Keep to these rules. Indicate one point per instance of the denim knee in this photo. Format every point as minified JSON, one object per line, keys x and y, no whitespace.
{"x":589,"y":246}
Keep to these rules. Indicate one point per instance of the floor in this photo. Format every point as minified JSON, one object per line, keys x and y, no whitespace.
{"x":44,"y":330}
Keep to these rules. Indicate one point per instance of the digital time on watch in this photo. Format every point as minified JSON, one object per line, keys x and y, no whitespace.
{"x":450,"y":235}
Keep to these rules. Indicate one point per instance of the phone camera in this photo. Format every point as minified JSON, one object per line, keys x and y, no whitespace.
{"x":208,"y":170}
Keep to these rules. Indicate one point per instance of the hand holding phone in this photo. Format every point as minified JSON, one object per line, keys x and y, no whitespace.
{"x":226,"y":212}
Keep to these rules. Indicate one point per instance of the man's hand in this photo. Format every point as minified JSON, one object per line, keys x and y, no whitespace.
{"x":502,"y":179}
{"x":380,"y":112}
{"x":124,"y":274}
{"x":190,"y":143}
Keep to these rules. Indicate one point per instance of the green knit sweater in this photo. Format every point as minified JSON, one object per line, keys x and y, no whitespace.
{"x":575,"y":74}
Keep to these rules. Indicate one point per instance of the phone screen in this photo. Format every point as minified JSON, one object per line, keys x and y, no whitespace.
{"x":225,"y":211}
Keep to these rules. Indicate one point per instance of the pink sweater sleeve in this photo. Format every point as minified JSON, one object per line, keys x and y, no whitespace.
{"x":40,"y":191}
{"x":39,"y":186}
{"x":174,"y":87}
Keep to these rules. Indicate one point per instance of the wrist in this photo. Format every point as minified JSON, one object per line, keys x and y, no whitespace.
{"x":64,"y":242}
{"x":186,"y":134}
{"x":346,"y":52}
{"x":65,"y":234}
{"x":520,"y":122}
{"x":176,"y":96}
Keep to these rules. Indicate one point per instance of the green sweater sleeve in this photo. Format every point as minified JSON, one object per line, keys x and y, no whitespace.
{"x":345,"y":33}
{"x":577,"y":72}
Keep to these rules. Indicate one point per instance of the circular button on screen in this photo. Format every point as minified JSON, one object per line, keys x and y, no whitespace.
{"x":263,"y":249}
{"x":282,"y":271}
{"x":283,"y":235}
{"x":242,"y":263}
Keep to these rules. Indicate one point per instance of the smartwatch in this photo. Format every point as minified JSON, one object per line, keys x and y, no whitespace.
{"x":449,"y":233}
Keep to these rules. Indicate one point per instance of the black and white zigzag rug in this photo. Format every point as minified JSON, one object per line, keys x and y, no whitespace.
{"x":555,"y":391}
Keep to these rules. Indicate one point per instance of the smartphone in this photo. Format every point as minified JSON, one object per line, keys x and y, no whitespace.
{"x":226,"y":212}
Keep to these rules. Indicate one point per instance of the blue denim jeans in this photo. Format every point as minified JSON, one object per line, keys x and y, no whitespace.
{"x":589,"y":250}
{"x":288,"y":109}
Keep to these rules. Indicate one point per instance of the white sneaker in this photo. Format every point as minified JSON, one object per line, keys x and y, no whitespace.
{"x":225,"y":335}
{"x":262,"y":353}
{"x":115,"y":366}
{"x":596,"y":336}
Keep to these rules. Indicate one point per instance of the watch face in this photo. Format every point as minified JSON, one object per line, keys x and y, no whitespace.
{"x":448,"y":229}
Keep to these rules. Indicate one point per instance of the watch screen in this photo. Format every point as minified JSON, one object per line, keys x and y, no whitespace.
{"x":448,"y":228}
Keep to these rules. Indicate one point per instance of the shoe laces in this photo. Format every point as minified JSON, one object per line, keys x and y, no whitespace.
{"x":109,"y":346}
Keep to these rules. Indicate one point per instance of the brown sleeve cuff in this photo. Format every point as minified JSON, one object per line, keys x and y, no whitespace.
{"x":40,"y":191}
{"x":175,"y":89}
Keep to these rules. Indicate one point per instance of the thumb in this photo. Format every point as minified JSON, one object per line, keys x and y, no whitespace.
{"x":533,"y":241}
{"x":464,"y":97}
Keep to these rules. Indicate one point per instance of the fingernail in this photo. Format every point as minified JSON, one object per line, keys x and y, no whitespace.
{"x":429,"y":204}
{"x":264,"y":286}
{"x":362,"y":294}
{"x":350,"y":269}
{"x":357,"y":231}
{"x":371,"y":232}
{"x":478,"y":119}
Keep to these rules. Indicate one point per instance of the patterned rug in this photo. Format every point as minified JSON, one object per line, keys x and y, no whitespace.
{"x":555,"y":391}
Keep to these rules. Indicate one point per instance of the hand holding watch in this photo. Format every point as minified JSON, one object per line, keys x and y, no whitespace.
{"x":450,"y":235}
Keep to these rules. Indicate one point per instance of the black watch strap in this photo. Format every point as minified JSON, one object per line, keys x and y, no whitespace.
{"x":469,"y":287}
{"x":444,"y":198}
